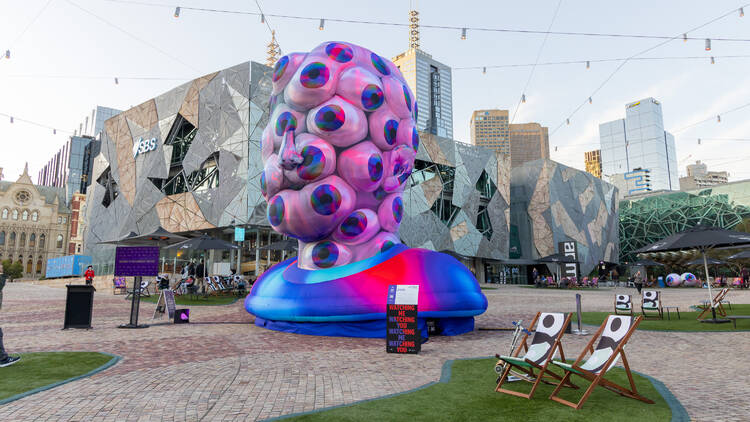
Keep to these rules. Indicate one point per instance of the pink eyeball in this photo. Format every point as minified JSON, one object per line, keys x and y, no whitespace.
{"x":383,"y":125}
{"x":324,"y":254}
{"x":362,"y":166}
{"x":284,"y":69}
{"x":314,"y":82}
{"x":399,"y":97}
{"x":281,"y":211}
{"x":399,"y":164}
{"x":318,"y":160}
{"x":338,"y":122}
{"x":339,"y":53}
{"x":391,"y":212}
{"x":361,"y":88}
{"x":358,"y":227}
{"x":322,"y":207}
{"x":407,"y":134}
{"x":285,"y":119}
{"x":381,"y":243}
{"x":272,"y":178}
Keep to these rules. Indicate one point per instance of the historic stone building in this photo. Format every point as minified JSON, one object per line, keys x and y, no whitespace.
{"x":34,"y":224}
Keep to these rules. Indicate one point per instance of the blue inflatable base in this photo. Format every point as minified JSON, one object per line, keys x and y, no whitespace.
{"x":365,"y":329}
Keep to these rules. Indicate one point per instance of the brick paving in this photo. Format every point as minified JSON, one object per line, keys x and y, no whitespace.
{"x":222,"y":367}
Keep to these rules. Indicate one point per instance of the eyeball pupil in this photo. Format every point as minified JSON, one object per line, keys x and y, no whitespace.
{"x":314,"y":73}
{"x":307,"y":160}
{"x":329,"y":116}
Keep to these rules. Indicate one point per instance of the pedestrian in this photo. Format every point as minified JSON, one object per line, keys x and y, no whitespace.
{"x":638,"y":280}
{"x":89,"y":275}
{"x":745,"y":273}
{"x":535,"y":276}
{"x":201,"y":271}
{"x":5,"y":359}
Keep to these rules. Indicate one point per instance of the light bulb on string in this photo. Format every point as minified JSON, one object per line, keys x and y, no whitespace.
{"x":699,"y":141}
{"x":718,"y":118}
{"x":322,"y":24}
{"x":54,"y":131}
{"x":11,"y":119}
{"x":567,"y":121}
{"x":484,"y":70}
{"x":117,"y":82}
{"x":262,"y":18}
{"x":590,"y":100}
{"x":742,"y":12}
{"x":555,"y":148}
{"x":708,"y":44}
{"x":523,"y":98}
{"x":684,"y":37}
{"x":7,"y":54}
{"x":588,"y":64}
{"x":177,"y":12}
{"x":712,"y":60}
{"x":463,"y":33}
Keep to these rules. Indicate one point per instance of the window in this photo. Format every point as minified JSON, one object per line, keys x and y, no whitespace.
{"x":5,"y":213}
{"x":25,"y":215}
{"x":29,"y":266}
{"x":39,"y":265}
{"x":41,"y":241}
{"x":59,"y":241}
{"x":22,"y":242}
{"x":32,"y":240}
{"x":2,"y":238}
{"x":35,"y":216}
{"x":12,"y":239}
{"x":14,"y":215}
{"x":65,"y":220}
{"x":59,"y":220}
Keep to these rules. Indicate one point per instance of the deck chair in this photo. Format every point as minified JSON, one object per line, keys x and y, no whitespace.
{"x":717,"y":302}
{"x":143,"y":291}
{"x":219,"y":284}
{"x":613,"y":336}
{"x":119,"y":286}
{"x":211,"y":285}
{"x":550,"y":328}
{"x":651,"y":302}
{"x":623,"y":305}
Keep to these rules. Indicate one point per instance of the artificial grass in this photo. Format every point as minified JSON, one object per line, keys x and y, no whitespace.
{"x":470,"y":396}
{"x":187,"y":300}
{"x":687,"y":321}
{"x":36,"y":370}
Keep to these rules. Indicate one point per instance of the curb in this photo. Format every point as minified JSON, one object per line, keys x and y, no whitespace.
{"x":110,"y":363}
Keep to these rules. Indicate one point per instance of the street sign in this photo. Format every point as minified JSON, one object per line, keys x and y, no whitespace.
{"x":402,"y":331}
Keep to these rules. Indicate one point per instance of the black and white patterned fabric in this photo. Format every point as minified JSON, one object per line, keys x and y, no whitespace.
{"x":623,"y":303}
{"x":548,"y":327}
{"x":615,"y":330}
{"x":650,"y":299}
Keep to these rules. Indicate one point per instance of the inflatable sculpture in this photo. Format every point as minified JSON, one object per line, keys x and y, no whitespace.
{"x":674,"y":280}
{"x":338,"y":150}
{"x":689,"y":280}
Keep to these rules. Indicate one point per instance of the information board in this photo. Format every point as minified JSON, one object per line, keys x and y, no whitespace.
{"x":134,"y":261}
{"x":239,"y":234}
{"x":165,"y":303}
{"x":402,"y":335}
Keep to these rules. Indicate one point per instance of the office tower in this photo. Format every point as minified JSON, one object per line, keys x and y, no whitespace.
{"x":528,"y":142}
{"x":593,"y":160}
{"x":639,"y":141}
{"x":698,"y":177}
{"x":70,"y":168}
{"x":489,"y":128}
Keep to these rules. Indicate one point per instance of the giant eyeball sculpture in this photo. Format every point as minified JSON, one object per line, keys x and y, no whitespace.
{"x":340,"y":143}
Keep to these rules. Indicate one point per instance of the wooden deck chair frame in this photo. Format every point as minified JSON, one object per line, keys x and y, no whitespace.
{"x":716,"y":302}
{"x":598,"y":380}
{"x":542,"y":375}
{"x":623,"y":311}
{"x":659,"y":309}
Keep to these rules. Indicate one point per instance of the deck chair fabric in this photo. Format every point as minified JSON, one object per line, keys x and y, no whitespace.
{"x":550,"y":328}
{"x":119,"y":286}
{"x":613,"y":335}
{"x":623,"y":305}
{"x":651,"y":302}
{"x":717,"y":302}
{"x":211,"y":285}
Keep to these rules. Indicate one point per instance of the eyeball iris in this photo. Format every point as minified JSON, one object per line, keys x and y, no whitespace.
{"x":325,"y":199}
{"x":389,"y":131}
{"x":372,"y":97}
{"x":379,"y":194}
{"x":280,"y":68}
{"x":355,"y":224}
{"x":263,"y":187}
{"x":342,"y":53}
{"x":325,"y":254}
{"x":285,"y":123}
{"x":375,"y":168}
{"x":386,"y":245}
{"x":415,"y":139}
{"x":313,"y":163}
{"x":379,"y":64}
{"x":330,"y":118}
{"x":276,"y":211}
{"x":314,"y":75}
{"x":398,"y":209}
{"x":407,"y":97}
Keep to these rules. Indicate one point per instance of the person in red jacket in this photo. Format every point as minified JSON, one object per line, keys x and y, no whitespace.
{"x":89,"y":275}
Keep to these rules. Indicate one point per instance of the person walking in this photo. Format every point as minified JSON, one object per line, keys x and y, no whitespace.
{"x":5,"y":359}
{"x":89,"y":275}
{"x":638,"y":281}
{"x":535,"y":276}
{"x":745,"y":273}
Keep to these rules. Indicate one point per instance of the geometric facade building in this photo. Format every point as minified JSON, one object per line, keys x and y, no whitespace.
{"x":552,"y":203}
{"x":648,"y":218}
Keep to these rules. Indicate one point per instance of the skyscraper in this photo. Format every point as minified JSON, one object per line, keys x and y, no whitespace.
{"x":593,"y":161}
{"x":639,"y":141}
{"x":489,"y":128}
{"x":698,"y":177}
{"x":528,"y":142}
{"x":431,"y":82}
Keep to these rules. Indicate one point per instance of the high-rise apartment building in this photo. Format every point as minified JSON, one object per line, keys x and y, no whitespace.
{"x":593,"y":161}
{"x":430,"y":81}
{"x":490,"y":128}
{"x":698,"y":177}
{"x":95,"y":125}
{"x":70,"y":168}
{"x":639,"y":141}
{"x":528,"y":142}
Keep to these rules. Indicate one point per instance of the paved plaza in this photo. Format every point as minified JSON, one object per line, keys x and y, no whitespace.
{"x":222,"y":367}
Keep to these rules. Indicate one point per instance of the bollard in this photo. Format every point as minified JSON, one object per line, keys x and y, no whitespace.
{"x":580,"y":331}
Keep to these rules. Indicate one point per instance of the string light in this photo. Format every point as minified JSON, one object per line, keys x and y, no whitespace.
{"x":484,"y":70}
{"x":555,"y":148}
{"x":54,"y":131}
{"x":590,"y":100}
{"x":117,"y":82}
{"x":177,"y":12}
{"x":7,"y":54}
{"x":523,"y":98}
{"x":567,"y":121}
{"x":712,"y":60}
{"x":463,"y":33}
{"x":684,"y":37}
{"x":588,"y":64}
{"x":708,"y":44}
{"x":718,"y":118}
{"x":322,"y":24}
{"x":262,"y":18}
{"x":742,"y":12}
{"x":699,"y":141}
{"x":11,"y":119}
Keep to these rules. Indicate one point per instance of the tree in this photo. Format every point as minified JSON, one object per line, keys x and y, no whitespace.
{"x":12,"y":270}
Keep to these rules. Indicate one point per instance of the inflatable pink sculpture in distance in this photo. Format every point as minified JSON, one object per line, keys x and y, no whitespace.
{"x":338,"y":149}
{"x":673,"y":280}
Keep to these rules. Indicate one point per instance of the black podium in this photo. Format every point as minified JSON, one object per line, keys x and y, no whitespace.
{"x":79,"y":305}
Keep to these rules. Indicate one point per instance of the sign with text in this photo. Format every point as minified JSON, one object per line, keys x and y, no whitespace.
{"x":402,"y":331}
{"x":239,"y":234}
{"x":134,"y":261}
{"x":570,"y":269}
{"x":166,"y":304}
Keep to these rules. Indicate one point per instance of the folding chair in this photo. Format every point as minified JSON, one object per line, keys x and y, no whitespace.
{"x":218,"y":283}
{"x":651,"y":301}
{"x":623,"y":305}
{"x":613,"y":336}
{"x":717,"y":302}
{"x":211,"y":285}
{"x":144,"y":288}
{"x":549,"y":330}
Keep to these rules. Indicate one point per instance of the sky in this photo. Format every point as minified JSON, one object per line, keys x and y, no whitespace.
{"x":65,"y":55}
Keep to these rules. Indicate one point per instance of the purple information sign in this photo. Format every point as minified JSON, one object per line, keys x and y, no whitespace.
{"x":133,"y":261}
